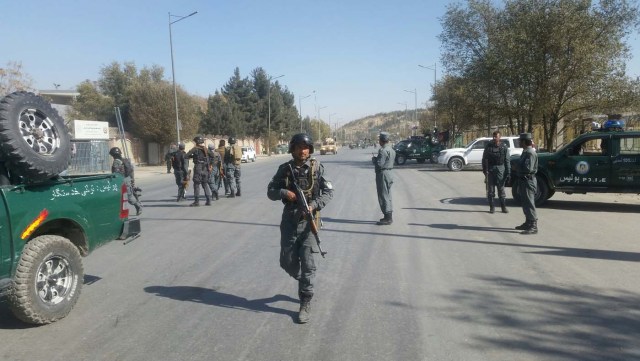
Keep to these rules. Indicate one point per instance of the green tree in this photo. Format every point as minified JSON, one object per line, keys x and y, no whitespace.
{"x":541,"y":62}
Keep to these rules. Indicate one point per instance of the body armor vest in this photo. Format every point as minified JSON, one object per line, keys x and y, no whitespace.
{"x":496,"y":154}
{"x":307,"y":180}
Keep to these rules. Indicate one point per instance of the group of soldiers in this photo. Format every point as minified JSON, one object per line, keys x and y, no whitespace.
{"x":212,"y":168}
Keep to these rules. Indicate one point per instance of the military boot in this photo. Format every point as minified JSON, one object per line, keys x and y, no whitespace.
{"x":492,"y":208}
{"x":523,"y":226}
{"x":533,"y":228}
{"x":305,"y":309}
{"x":387,"y":220}
{"x":196,"y":203}
{"x":238,"y":192}
{"x":208,"y":202}
{"x":503,"y":205}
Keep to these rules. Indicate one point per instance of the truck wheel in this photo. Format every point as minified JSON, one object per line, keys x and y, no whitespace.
{"x":48,"y":280}
{"x":34,"y":139}
{"x":434,"y":158}
{"x":455,"y":164}
{"x":542,"y":193}
{"x":401,"y":159}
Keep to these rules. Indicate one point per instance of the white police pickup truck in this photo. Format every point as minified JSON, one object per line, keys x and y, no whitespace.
{"x":457,"y":158}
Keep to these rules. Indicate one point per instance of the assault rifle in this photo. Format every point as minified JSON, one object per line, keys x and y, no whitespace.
{"x":303,"y":207}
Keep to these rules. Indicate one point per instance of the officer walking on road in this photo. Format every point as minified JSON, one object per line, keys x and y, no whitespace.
{"x":180,"y":170}
{"x":123,"y":166}
{"x":497,"y":171}
{"x":215,"y":164}
{"x":201,"y":174}
{"x":383,"y":163}
{"x":527,"y":184}
{"x":296,"y":245}
{"x":232,"y":158}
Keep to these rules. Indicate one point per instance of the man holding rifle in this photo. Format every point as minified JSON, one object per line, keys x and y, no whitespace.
{"x":299,"y":181}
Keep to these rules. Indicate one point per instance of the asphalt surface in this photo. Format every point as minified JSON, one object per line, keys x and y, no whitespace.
{"x":446,"y":281}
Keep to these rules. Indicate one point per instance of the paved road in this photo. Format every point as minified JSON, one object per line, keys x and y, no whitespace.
{"x":447,"y":281}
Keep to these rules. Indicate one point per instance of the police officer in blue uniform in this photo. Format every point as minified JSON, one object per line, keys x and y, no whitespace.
{"x":527,"y":184}
{"x":383,"y":163}
{"x":296,"y":245}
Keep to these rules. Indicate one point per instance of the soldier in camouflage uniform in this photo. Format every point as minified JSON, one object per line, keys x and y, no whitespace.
{"x":232,"y":157}
{"x":215,"y":164}
{"x":497,"y":171}
{"x":222,"y":151}
{"x":527,"y":184}
{"x":296,"y":245}
{"x":383,"y":163}
{"x":123,"y":166}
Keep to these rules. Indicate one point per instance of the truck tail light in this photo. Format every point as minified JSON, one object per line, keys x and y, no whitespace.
{"x":124,"y":210}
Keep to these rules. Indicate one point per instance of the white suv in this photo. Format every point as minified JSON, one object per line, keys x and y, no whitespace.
{"x":248,"y":154}
{"x":456,"y":158}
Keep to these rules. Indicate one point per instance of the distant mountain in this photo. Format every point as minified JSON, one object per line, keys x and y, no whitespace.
{"x":398,"y":123}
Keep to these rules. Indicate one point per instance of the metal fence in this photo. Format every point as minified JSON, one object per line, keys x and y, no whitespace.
{"x":89,"y":157}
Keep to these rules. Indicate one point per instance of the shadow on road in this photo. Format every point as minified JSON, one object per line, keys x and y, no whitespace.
{"x":212,"y":297}
{"x":466,"y":228}
{"x":549,"y":321}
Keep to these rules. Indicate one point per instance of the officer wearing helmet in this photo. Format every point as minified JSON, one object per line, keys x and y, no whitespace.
{"x":232,"y":158}
{"x":296,"y":245}
{"x":123,"y":166}
{"x":180,"y":165}
{"x":383,"y":163}
{"x":201,"y":172}
{"x":215,"y":164}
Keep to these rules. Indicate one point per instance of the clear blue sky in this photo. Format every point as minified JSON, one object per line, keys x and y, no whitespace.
{"x":358,"y":55}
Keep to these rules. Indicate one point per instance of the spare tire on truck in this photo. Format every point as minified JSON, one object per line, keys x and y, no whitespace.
{"x":34,"y":140}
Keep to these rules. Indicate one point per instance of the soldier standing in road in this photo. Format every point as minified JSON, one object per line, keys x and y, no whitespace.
{"x":215,"y":164}
{"x":123,"y":166}
{"x":232,"y":157}
{"x":222,"y":151}
{"x":201,"y":173}
{"x":180,"y":165}
{"x":497,"y":171}
{"x":167,"y":159}
{"x":296,"y":245}
{"x":383,"y":163}
{"x":527,"y":184}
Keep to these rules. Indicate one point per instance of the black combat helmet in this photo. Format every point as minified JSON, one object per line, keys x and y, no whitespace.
{"x":198,"y":140}
{"x":301,"y":138}
{"x":232,"y":140}
{"x":181,"y":146}
{"x":115,"y":152}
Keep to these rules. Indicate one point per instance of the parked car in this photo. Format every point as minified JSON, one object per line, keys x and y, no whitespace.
{"x":419,"y":148}
{"x":595,"y":162}
{"x":457,"y":158}
{"x":248,"y":154}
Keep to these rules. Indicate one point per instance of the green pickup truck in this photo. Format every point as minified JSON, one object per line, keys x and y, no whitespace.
{"x":598,"y":161}
{"x":47,"y":221}
{"x":419,"y":148}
